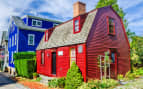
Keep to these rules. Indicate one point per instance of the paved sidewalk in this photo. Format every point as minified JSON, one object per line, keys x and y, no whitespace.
{"x":7,"y":83}
{"x":136,"y":84}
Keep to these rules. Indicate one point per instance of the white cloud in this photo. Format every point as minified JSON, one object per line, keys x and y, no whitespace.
{"x":125,"y":4}
{"x":64,"y":8}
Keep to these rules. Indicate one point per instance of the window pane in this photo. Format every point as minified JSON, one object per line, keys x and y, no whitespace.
{"x":34,"y":22}
{"x":39,"y":23}
{"x":113,"y":57}
{"x":76,"y":28}
{"x":111,"y":25}
{"x":42,"y":59}
{"x":76,"y":22}
{"x":80,"y":49}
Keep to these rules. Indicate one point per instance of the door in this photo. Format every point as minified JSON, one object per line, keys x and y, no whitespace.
{"x":53,"y":62}
{"x":72,"y":55}
{"x":113,"y":66}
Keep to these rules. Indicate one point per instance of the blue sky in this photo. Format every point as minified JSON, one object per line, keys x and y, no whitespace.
{"x":62,"y":10}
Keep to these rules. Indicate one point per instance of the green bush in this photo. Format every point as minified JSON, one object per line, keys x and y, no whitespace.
{"x":120,"y":77}
{"x":98,"y":84}
{"x":84,"y":86}
{"x":74,"y":78}
{"x":53,"y":83}
{"x":25,"y":67}
{"x":107,"y":83}
{"x":130,"y":76}
{"x":61,"y":82}
{"x":24,"y":55}
{"x":35,"y":74}
{"x":139,"y":71}
{"x":57,"y":83}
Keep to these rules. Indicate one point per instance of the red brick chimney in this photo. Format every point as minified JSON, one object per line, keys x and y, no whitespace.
{"x":79,"y":8}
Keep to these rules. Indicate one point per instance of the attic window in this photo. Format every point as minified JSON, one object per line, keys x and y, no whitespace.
{"x":111,"y":26}
{"x":37,"y":23}
{"x":76,"y":28}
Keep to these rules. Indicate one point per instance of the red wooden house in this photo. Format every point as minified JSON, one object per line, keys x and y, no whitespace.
{"x":82,"y":39}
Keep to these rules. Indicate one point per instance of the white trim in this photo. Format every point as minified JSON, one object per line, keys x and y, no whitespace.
{"x":33,"y":39}
{"x":27,"y":20}
{"x":15,"y":38}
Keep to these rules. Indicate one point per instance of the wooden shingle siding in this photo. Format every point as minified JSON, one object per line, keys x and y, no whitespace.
{"x":100,"y":41}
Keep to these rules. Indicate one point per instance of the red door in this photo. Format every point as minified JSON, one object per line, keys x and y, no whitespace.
{"x":113,"y":66}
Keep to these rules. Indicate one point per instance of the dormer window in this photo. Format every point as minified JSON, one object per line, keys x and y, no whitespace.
{"x":111,"y":26}
{"x":76,"y":25}
{"x":37,"y":23}
{"x":76,"y":28}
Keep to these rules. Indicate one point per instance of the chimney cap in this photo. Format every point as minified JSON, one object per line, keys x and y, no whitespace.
{"x":80,"y":2}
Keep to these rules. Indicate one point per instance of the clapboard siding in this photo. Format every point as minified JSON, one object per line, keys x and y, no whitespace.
{"x":99,"y":41}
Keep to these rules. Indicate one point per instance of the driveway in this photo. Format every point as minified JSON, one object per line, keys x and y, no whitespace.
{"x":7,"y":83}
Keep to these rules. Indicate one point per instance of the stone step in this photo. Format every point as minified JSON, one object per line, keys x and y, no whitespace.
{"x":45,"y":79}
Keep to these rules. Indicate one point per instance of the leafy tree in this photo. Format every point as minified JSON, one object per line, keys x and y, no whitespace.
{"x":113,"y":3}
{"x":74,"y":78}
{"x":137,"y":50}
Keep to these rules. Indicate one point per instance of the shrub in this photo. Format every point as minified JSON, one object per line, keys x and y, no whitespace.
{"x":61,"y":82}
{"x":139,"y":71}
{"x":84,"y":86}
{"x":120,"y":77}
{"x":98,"y":84}
{"x":107,"y":83}
{"x":74,"y":77}
{"x":25,"y":67}
{"x":35,"y":74}
{"x":57,"y":83}
{"x":130,"y":76}
{"x":53,"y":83}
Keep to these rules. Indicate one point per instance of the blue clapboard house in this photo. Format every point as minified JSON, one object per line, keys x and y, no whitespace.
{"x":25,"y":34}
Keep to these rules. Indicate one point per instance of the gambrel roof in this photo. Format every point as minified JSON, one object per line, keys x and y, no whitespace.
{"x":63,"y":34}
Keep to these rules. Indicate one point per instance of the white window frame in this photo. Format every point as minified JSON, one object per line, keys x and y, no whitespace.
{"x":12,"y":40}
{"x":37,"y":23}
{"x":76,"y":28}
{"x":15,"y":39}
{"x":29,"y":39}
{"x":9,"y":42}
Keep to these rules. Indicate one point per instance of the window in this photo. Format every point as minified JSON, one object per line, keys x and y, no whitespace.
{"x":36,"y":23}
{"x":111,"y":26}
{"x":55,"y":24}
{"x":80,"y":49}
{"x":112,"y":57}
{"x":42,"y":57}
{"x":12,"y":40}
{"x":31,"y":38}
{"x":15,"y":39}
{"x":76,"y":25}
